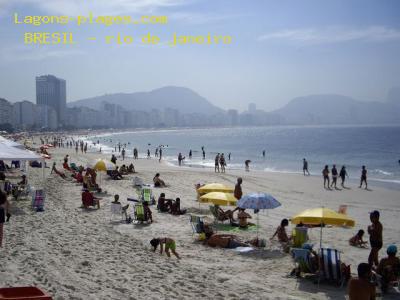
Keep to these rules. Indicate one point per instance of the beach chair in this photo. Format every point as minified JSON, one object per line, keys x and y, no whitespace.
{"x":25,"y":293}
{"x":139,"y":216}
{"x":217,"y":217}
{"x":38,"y":198}
{"x":330,"y":266}
{"x":21,"y":192}
{"x":302,"y":261}
{"x":197,"y":223}
{"x":147,"y":195}
{"x":300,"y":236}
{"x":342,"y":209}
{"x":116,"y":210}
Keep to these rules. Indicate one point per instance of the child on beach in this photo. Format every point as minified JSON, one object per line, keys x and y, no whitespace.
{"x":166,"y":242}
{"x":357,"y":240}
{"x":283,"y":238}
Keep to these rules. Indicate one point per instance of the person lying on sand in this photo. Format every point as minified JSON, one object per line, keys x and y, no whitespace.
{"x":357,"y":240}
{"x":166,"y":242}
{"x":158,"y":182}
{"x":225,"y":241}
{"x":54,"y":169}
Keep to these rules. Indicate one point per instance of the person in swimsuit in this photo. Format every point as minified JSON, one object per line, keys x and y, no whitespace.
{"x":238,"y":189}
{"x":281,"y":232}
{"x":166,"y":242}
{"x":334,"y":176}
{"x":305,"y":167}
{"x":224,"y":241}
{"x":243,"y":216}
{"x":363,"y":177}
{"x":357,"y":240}
{"x":343,"y":174}
{"x":361,"y":288}
{"x":375,"y":237}
{"x":389,"y":268}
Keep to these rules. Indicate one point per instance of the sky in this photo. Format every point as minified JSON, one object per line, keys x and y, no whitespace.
{"x":279,"y":49}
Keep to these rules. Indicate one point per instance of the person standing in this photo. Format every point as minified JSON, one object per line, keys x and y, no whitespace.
{"x":216,"y":163}
{"x":123,"y":154}
{"x":190,"y":154}
{"x":159,"y":160}
{"x":305,"y":167}
{"x":363,"y":177}
{"x":263,"y":153}
{"x":204,"y":154}
{"x":222,"y":163}
{"x":334,"y":176}
{"x":375,"y":238}
{"x":238,"y":189}
{"x":247,"y":165}
{"x":4,"y":212}
{"x":180,"y":158}
{"x":325,"y":175}
{"x":343,"y":174}
{"x":229,"y":156}
{"x":148,"y":153}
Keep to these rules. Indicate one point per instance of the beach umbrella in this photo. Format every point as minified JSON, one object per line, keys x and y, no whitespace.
{"x":214,"y":187}
{"x":322,"y":216}
{"x":258,"y":201}
{"x":103,"y":165}
{"x":219,"y":198}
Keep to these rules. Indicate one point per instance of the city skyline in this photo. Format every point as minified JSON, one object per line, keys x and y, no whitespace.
{"x":280,"y":50}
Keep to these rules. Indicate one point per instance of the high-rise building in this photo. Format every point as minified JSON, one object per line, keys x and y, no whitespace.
{"x":6,"y":116}
{"x":24,"y":114}
{"x":51,"y":91}
{"x":252,"y":108}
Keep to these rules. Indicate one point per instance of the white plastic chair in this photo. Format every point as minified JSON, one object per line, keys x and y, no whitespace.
{"x":116,"y":209}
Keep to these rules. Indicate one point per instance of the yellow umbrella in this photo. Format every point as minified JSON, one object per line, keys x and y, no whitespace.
{"x":102,"y":165}
{"x":214,"y":187}
{"x":218,"y":198}
{"x":323,"y":215}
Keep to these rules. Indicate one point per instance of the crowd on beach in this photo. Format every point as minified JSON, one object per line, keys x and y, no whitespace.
{"x":364,"y":287}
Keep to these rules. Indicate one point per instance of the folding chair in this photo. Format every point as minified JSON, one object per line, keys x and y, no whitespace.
{"x":330,"y":268}
{"x":116,"y":209}
{"x":147,"y":195}
{"x":217,"y":217}
{"x":139,"y":216}
{"x":300,"y":236}
{"x":197,"y":224}
{"x":302,"y":260}
{"x":38,"y":200}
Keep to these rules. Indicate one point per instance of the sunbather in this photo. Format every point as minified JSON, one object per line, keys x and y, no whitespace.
{"x":131,"y":168}
{"x":225,"y":241}
{"x":123,"y":170}
{"x":389,"y":268}
{"x":158,"y":182}
{"x":169,"y":245}
{"x":176,"y":207}
{"x":357,"y":240}
{"x":283,"y":238}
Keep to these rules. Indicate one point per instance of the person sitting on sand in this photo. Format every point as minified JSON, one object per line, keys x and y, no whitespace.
{"x":54,"y":169}
{"x":357,"y":240}
{"x":115,"y":174}
{"x":176,"y":207}
{"x":361,"y":288}
{"x":123,"y":170}
{"x":283,"y":238}
{"x":389,"y":268}
{"x":131,"y":168}
{"x":89,"y":200}
{"x":243,"y":216}
{"x":158,"y":182}
{"x":168,"y":243}
{"x":164,"y":205}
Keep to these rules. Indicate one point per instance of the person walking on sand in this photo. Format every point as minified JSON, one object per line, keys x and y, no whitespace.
{"x":363,"y":178}
{"x":334,"y":176}
{"x":166,"y":242}
{"x":343,"y":174}
{"x":216,"y":163}
{"x":375,"y":238}
{"x":305,"y":167}
{"x":229,"y":156}
{"x":325,"y":175}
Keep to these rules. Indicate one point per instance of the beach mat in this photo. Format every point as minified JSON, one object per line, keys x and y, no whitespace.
{"x":228,"y":227}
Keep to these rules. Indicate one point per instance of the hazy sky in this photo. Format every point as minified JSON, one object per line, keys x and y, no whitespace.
{"x":280,"y":49}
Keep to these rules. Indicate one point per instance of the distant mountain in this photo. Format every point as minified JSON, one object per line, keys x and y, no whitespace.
{"x":337,"y":109}
{"x":181,"y":98}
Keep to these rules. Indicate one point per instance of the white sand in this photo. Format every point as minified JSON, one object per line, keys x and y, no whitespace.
{"x":78,"y":254}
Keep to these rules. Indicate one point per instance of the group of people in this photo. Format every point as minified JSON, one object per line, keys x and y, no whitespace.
{"x":220,"y":162}
{"x":170,"y":206}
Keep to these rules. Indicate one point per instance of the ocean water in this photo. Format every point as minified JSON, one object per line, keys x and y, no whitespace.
{"x":378,"y":148}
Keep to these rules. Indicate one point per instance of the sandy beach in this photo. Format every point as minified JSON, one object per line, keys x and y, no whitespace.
{"x":74,"y":253}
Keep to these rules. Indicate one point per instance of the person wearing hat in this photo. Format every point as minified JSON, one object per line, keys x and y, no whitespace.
{"x":389,"y":267}
{"x":375,"y":238}
{"x":361,"y":288}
